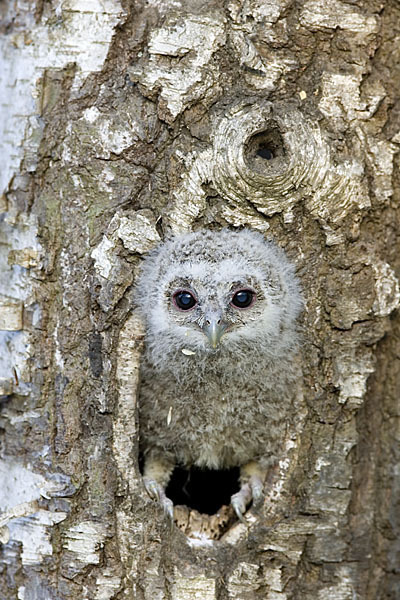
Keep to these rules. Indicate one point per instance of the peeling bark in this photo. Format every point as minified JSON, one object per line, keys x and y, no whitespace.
{"x":121,"y":124}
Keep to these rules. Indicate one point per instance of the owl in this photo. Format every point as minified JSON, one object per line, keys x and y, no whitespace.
{"x":219,"y":367}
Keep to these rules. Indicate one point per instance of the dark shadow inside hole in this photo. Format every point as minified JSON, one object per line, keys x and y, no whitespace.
{"x":265,"y":152}
{"x":204,"y":490}
{"x":267,"y":145}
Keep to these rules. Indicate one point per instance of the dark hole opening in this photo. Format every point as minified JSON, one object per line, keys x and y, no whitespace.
{"x":204,"y":490}
{"x":265,"y":152}
{"x":266,"y":145}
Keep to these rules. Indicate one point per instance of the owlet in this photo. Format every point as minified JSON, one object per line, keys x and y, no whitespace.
{"x":219,"y":370}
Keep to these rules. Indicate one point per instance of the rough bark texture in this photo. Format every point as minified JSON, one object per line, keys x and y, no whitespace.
{"x":123,"y":123}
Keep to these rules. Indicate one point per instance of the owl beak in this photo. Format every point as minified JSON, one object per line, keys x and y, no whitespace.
{"x":214,"y":328}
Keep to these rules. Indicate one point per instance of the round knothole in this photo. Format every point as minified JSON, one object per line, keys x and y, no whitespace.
{"x":265,"y":149}
{"x":266,"y":153}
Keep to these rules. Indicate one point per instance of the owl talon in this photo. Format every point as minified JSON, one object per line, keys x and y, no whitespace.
{"x":240,"y":500}
{"x":240,"y":516}
{"x":257,"y":489}
{"x":153,"y":488}
{"x":168,"y":507}
{"x":156,"y":492}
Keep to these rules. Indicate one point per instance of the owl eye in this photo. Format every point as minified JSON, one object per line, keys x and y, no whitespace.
{"x":243,"y":298}
{"x":184,"y":300}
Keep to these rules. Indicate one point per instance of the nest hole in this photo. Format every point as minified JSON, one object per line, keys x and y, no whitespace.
{"x":265,"y":147}
{"x":204,"y":490}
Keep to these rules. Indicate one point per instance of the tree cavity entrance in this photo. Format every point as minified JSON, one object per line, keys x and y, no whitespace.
{"x":202,"y":498}
{"x":264,"y":148}
{"x":204,"y":490}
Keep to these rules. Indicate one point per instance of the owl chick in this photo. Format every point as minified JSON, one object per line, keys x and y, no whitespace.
{"x":217,"y":379}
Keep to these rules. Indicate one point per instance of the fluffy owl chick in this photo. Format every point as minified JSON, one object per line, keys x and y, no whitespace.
{"x":217,"y":379}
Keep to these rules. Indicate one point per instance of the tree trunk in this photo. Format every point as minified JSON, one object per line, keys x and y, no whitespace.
{"x":121,"y":124}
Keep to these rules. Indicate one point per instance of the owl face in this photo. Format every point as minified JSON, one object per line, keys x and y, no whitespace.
{"x":210,"y":304}
{"x":209,"y":291}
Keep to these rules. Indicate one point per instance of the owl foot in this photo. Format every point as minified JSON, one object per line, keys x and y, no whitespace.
{"x":156,"y":492}
{"x":257,"y":489}
{"x":240,"y":500}
{"x":253,"y":490}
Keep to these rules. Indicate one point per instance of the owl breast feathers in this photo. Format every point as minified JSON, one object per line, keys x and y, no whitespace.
{"x":217,"y":378}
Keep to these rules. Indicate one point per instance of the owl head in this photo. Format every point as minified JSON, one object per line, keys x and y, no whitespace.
{"x":213,"y":291}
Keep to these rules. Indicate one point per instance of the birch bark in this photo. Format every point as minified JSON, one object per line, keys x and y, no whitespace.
{"x":125,"y":122}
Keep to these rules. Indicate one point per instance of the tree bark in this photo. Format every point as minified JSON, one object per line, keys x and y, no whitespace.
{"x":123,"y":123}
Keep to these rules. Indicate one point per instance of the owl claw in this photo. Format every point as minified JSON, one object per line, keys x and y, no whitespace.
{"x":152,"y":488}
{"x":253,"y":490}
{"x":156,"y":492}
{"x":240,"y":500}
{"x":257,"y":489}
